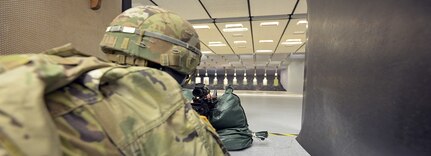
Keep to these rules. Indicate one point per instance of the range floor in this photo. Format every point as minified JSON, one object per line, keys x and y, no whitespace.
{"x":277,"y":112}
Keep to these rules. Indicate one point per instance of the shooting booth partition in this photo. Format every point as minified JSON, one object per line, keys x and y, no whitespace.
{"x":368,"y":78}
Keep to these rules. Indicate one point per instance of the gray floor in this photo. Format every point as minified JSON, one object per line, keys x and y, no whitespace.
{"x":275,"y":112}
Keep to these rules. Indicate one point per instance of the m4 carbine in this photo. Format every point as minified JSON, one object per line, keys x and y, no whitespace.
{"x":203,"y":102}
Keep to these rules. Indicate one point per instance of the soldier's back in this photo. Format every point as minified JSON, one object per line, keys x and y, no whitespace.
{"x":103,"y":109}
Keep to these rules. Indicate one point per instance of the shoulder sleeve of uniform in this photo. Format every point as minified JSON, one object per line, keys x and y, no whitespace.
{"x":25,"y":79}
{"x":145,"y":95}
{"x":150,"y":82}
{"x":24,"y":121}
{"x":55,"y":67}
{"x":10,"y":62}
{"x":64,"y":51}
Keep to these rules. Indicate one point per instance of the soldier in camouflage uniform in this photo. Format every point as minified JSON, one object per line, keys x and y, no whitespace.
{"x":62,"y":102}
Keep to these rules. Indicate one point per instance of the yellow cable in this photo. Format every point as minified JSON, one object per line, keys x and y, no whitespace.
{"x":283,"y":134}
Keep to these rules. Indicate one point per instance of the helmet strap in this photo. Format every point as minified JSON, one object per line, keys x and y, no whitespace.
{"x":124,"y":59}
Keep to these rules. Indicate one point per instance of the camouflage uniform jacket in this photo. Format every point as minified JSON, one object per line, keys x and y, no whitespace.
{"x":62,"y":102}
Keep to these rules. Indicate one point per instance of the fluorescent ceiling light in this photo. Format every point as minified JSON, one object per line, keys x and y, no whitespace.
{"x":269,"y":24}
{"x":266,"y":41}
{"x":291,"y":43}
{"x":293,"y":40}
{"x":201,"y":26}
{"x":207,"y":52}
{"x":299,"y":32}
{"x":215,"y":42}
{"x":235,"y":29}
{"x":237,"y":35}
{"x":217,"y":45}
{"x":301,"y":22}
{"x":239,"y":42}
{"x":263,"y":51}
{"x":241,"y":46}
{"x":239,"y":25}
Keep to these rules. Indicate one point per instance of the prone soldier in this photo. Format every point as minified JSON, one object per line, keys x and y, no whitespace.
{"x":63,"y":102}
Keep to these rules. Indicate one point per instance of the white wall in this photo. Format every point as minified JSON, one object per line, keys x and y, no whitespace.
{"x":292,"y":78}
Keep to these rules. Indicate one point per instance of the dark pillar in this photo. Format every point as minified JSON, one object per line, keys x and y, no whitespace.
{"x":126,"y":4}
{"x":368,"y":78}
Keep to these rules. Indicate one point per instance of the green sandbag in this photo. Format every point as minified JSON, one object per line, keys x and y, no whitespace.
{"x":228,"y":112}
{"x":236,"y":138}
{"x":229,"y":119}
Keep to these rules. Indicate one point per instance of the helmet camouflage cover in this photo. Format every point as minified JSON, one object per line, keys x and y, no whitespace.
{"x":146,"y":34}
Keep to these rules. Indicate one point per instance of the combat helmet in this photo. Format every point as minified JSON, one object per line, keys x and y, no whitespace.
{"x":154,"y":37}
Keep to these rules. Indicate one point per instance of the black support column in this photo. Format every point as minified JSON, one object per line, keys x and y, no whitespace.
{"x":368,"y":78}
{"x":126,"y":4}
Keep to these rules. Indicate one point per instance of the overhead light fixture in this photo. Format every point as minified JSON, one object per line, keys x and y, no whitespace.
{"x":244,"y":81}
{"x":299,"y":32}
{"x":206,"y":78}
{"x":264,"y":24}
{"x":294,"y":40}
{"x":243,"y":46}
{"x":301,"y":22}
{"x":225,"y":81}
{"x":239,"y":25}
{"x":215,"y":80}
{"x":201,"y":26}
{"x":263,"y":51}
{"x":254,"y":78}
{"x":197,"y":78}
{"x":237,"y":35}
{"x":239,"y":42}
{"x":266,"y":41}
{"x":235,"y":29}
{"x":235,"y":81}
{"x":265,"y":80}
{"x":291,"y":43}
{"x":216,"y":44}
{"x":207,"y":52}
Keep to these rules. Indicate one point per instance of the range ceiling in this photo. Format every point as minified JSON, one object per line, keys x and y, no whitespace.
{"x":244,"y":33}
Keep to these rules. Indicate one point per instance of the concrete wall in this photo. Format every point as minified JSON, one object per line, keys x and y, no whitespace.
{"x":292,"y":78}
{"x":33,"y":26}
{"x":283,"y":78}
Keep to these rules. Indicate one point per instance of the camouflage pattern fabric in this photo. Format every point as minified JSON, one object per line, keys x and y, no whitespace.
{"x":65,"y":103}
{"x":137,"y":45}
